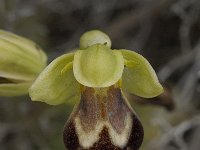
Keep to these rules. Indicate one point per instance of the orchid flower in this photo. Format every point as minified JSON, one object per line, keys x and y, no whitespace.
{"x":95,"y":77}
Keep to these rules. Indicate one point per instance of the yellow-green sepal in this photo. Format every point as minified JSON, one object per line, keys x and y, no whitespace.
{"x":98,"y":66}
{"x":14,"y":89}
{"x":26,"y":46}
{"x":20,"y":58}
{"x":139,"y":77}
{"x":56,"y":83}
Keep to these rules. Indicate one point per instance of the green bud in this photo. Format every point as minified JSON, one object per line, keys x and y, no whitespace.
{"x":94,"y":37}
{"x":21,"y":60}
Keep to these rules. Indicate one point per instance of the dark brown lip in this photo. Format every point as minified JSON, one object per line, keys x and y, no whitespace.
{"x":105,"y":105}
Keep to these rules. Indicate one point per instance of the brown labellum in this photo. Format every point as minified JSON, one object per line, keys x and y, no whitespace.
{"x":103,"y":120}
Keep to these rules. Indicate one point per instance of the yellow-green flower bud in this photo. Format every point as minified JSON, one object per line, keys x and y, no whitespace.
{"x":21,"y":60}
{"x":94,"y":37}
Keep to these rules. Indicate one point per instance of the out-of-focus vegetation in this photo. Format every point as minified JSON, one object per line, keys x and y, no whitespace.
{"x":166,"y":32}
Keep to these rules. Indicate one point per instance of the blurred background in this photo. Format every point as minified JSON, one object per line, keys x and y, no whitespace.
{"x":166,"y":32}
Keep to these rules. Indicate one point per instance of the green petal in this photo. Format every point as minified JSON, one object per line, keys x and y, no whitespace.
{"x":14,"y":89}
{"x":56,"y":84}
{"x":139,"y":77}
{"x":98,"y":66}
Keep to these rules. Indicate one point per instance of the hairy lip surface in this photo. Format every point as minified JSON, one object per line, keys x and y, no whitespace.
{"x":103,"y":120}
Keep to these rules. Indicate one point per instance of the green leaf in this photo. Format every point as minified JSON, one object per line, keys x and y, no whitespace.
{"x":56,"y":84}
{"x":98,"y":66}
{"x":14,"y":89}
{"x":139,"y":77}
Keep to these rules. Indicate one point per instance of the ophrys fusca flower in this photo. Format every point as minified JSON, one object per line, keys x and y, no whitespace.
{"x":95,"y":77}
